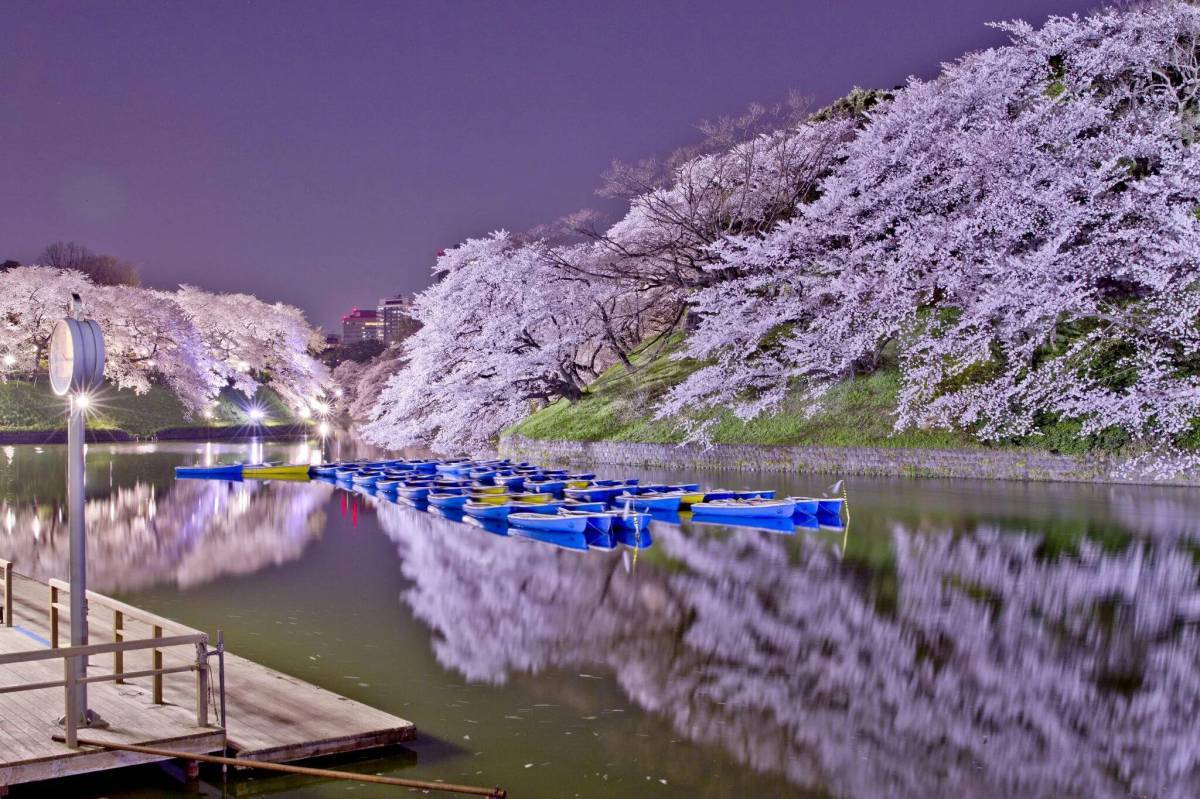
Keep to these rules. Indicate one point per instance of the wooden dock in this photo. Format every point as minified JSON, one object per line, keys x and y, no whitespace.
{"x":166,"y":699}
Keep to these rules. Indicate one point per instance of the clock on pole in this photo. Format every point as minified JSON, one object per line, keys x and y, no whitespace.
{"x":77,"y":368}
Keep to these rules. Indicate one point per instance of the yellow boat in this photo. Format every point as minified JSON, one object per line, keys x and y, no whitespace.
{"x":578,"y":483}
{"x":535,"y":498}
{"x":490,"y":499}
{"x":293,"y":471}
{"x":481,"y":489}
{"x":691,"y":498}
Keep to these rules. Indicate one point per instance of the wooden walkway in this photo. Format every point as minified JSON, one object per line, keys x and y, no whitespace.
{"x":271,"y":716}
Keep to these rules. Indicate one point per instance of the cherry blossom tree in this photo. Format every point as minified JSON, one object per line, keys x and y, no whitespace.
{"x":503,"y":327}
{"x":254,"y":341}
{"x":32,"y":300}
{"x":190,"y":341}
{"x":1021,"y":229}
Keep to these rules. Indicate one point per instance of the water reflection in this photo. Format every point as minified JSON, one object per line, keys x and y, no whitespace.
{"x":958,"y":638}
{"x":195,"y":531}
{"x":932,"y":662}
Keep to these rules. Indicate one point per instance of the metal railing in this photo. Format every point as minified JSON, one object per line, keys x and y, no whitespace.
{"x":6,"y":610}
{"x":122,"y":615}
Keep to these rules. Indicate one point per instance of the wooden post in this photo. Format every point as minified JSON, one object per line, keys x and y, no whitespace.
{"x":8,"y":620}
{"x":71,"y":715}
{"x":118,"y":636}
{"x":157,"y":657}
{"x":54,"y":617}
{"x":201,"y":685}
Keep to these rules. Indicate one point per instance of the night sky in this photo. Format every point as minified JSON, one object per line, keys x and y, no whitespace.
{"x":321,"y":153}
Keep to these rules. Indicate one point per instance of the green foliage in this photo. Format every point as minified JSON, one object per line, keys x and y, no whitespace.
{"x":619,"y":407}
{"x":854,"y":105}
{"x":26,"y":406}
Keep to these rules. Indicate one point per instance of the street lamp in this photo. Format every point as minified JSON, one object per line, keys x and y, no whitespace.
{"x":76,"y":368}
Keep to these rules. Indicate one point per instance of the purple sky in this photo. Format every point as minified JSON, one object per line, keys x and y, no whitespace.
{"x":321,"y":153}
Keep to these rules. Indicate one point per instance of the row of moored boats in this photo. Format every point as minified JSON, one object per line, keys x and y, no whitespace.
{"x":502,"y":493}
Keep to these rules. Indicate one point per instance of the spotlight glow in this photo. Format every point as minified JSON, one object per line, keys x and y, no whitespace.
{"x":256,"y":414}
{"x":304,"y":413}
{"x":337,"y":392}
{"x":82,"y":401}
{"x":208,"y":414}
{"x":321,"y":408}
{"x":9,"y":360}
{"x":323,"y":429}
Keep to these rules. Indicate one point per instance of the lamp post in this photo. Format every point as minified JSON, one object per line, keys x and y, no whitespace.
{"x":76,"y":368}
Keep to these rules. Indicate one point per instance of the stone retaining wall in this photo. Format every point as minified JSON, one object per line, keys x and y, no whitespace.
{"x":986,"y":464}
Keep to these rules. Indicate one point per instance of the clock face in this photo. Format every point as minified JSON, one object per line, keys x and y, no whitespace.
{"x":62,"y":357}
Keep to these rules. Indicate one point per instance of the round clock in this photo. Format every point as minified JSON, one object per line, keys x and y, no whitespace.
{"x":76,"y":356}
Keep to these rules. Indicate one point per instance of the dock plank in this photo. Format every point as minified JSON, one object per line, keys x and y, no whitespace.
{"x":272,"y":716}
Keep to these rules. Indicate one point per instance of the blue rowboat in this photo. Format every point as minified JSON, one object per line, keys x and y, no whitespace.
{"x":687,"y":488}
{"x":832,"y":507}
{"x":486,"y":510}
{"x":633,"y":529}
{"x":346,"y":474}
{"x":513,"y":481}
{"x":621,"y":483}
{"x":546,"y":523}
{"x":228,"y":471}
{"x":765,"y":494}
{"x":632,"y":520}
{"x":602,"y":521}
{"x":413,"y":492}
{"x":590,"y":507}
{"x":494,"y":526}
{"x":452,"y":514}
{"x":777,"y":525}
{"x":745,"y":509}
{"x":548,"y":508}
{"x":805,"y":506}
{"x":806,"y":522}
{"x":592,"y":493}
{"x":447,"y":500}
{"x":365,"y":478}
{"x":718,"y":493}
{"x":545,"y":486}
{"x":387,"y":485}
{"x":325,"y":469}
{"x":600,"y":539}
{"x":652,"y":488}
{"x":648,"y":501}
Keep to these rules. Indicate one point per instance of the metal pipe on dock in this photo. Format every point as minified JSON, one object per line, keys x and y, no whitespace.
{"x":286,"y":768}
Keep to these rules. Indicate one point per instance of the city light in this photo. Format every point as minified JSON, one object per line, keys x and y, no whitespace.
{"x":9,"y":360}
{"x":304,"y":413}
{"x":256,"y":414}
{"x":323,"y":429}
{"x":208,"y":413}
{"x":82,"y":401}
{"x":321,"y":408}
{"x":337,"y":392}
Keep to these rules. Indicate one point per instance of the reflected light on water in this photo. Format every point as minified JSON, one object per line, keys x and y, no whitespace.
{"x":964,"y":639}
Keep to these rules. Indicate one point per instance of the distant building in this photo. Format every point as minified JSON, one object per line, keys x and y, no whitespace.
{"x":361,"y":325}
{"x":332,"y":340}
{"x":398,"y":321}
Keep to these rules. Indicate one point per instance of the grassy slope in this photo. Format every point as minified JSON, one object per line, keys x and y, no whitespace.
{"x":33,"y":406}
{"x":619,"y":407}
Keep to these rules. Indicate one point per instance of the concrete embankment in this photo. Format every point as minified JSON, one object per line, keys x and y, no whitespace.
{"x":983,"y":464}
